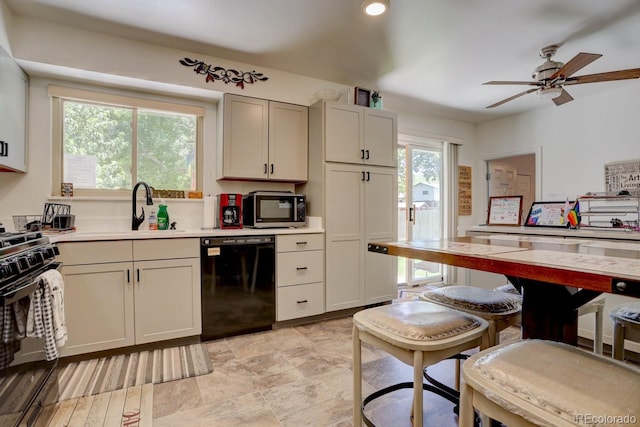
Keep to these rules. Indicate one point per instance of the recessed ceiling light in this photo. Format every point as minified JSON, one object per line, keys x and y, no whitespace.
{"x":375,"y":7}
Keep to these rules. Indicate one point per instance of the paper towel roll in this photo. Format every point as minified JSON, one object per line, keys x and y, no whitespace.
{"x":209,"y":213}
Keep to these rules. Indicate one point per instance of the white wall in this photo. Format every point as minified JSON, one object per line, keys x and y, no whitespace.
{"x":576,"y":139}
{"x":80,"y":57}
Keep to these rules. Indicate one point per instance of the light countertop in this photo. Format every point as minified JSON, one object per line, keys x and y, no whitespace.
{"x":587,"y":233}
{"x":83,"y":236}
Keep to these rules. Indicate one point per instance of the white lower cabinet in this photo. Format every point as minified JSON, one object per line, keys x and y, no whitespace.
{"x":127,"y":292}
{"x":299,"y":276}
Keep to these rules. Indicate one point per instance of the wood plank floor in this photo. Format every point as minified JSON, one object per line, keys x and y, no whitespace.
{"x":132,"y":406}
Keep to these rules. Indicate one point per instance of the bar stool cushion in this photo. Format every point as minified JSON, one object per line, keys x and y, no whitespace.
{"x":408,"y":325}
{"x":548,"y":383}
{"x":485,"y":303}
{"x":627,"y":312}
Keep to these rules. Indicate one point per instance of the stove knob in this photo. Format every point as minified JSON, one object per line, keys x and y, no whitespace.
{"x":5,"y":271}
{"x":36,"y":258}
{"x":49,"y":253}
{"x":22,"y":263}
{"x":9,"y":269}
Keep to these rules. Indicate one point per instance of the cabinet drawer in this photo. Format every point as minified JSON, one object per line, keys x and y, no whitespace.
{"x":294,"y":268}
{"x":79,"y":253}
{"x":300,"y":242}
{"x":153,"y":249}
{"x":300,"y":301}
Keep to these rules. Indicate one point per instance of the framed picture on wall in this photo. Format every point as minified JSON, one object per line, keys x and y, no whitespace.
{"x":505,"y":210}
{"x":362,"y":96}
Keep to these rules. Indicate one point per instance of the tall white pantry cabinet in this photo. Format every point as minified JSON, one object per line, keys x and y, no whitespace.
{"x":353,"y":186}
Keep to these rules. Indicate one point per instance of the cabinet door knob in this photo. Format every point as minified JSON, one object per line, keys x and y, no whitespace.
{"x":302,"y":301}
{"x":265,"y":168}
{"x":138,"y":274}
{"x":128,"y":276}
{"x":271,"y":168}
{"x":368,"y":176}
{"x":362,"y":154}
{"x":367,"y":156}
{"x":363,"y":175}
{"x":4,"y":149}
{"x":302,"y":268}
{"x":301,"y":243}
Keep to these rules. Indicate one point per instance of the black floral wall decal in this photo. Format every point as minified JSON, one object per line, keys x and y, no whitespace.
{"x":226,"y":75}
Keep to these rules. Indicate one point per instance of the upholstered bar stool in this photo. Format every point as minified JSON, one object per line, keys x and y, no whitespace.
{"x":626,"y":326}
{"x":499,"y":309}
{"x":544,"y":383}
{"x":595,"y":307}
{"x":417,"y":333}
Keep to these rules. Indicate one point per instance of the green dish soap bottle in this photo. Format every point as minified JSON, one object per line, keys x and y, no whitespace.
{"x":163,"y":218}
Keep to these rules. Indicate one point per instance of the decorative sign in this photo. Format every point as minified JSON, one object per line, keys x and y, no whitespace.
{"x":505,"y":210}
{"x":619,"y":176}
{"x":219,"y":73}
{"x":464,"y":190}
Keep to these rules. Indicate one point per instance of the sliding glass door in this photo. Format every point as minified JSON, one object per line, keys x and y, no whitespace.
{"x":420,"y":204}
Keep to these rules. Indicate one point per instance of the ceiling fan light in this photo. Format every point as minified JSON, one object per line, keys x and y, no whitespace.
{"x":375,"y":7}
{"x":549,"y":93}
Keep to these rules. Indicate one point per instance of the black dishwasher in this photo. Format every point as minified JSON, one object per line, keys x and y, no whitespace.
{"x":238,"y":285}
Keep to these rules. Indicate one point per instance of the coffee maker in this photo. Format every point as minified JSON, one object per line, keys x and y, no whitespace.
{"x":229,"y":214}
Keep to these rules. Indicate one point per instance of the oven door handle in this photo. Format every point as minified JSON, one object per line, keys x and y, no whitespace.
{"x":27,"y":285}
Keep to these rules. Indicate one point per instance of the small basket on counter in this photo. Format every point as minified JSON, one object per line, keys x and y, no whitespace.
{"x":56,"y":217}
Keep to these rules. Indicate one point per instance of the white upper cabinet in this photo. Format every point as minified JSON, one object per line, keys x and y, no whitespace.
{"x":361,"y":135}
{"x":13,"y":115}
{"x":263,"y":140}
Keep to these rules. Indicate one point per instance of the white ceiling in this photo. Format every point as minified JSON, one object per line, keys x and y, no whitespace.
{"x":436,"y":53}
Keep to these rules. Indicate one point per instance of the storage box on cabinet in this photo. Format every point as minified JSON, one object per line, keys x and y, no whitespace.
{"x":299,"y":276}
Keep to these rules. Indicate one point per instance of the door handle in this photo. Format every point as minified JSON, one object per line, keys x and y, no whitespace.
{"x":138,"y":274}
{"x":362,"y":154}
{"x":302,"y":301}
{"x":266,"y":171}
{"x":4,"y":149}
{"x":271,"y":168}
{"x":363,"y":175}
{"x":412,"y":214}
{"x":128,"y":276}
{"x":302,"y":268}
{"x":367,"y":157}
{"x":368,"y":176}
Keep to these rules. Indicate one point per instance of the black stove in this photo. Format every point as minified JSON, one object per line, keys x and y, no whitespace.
{"x":23,"y":257}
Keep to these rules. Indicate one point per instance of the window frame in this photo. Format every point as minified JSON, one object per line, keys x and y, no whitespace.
{"x":59,"y":94}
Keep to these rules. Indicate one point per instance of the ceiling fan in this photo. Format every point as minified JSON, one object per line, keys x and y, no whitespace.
{"x":551,"y":77}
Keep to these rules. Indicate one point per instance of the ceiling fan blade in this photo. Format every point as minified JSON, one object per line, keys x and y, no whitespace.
{"x":632,"y":73}
{"x":512,"y":98}
{"x":578,"y":62}
{"x":503,"y":82}
{"x":563,"y":98}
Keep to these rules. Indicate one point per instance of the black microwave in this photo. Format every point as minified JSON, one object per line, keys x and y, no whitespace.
{"x":270,"y":209}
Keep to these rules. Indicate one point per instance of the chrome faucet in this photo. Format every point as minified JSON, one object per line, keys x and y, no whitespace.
{"x":137,"y":220}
